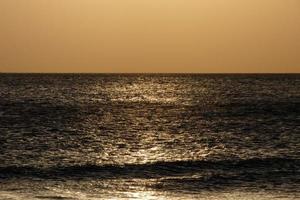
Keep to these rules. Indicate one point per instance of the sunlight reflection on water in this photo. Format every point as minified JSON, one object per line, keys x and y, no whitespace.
{"x":145,"y":195}
{"x":148,"y":91}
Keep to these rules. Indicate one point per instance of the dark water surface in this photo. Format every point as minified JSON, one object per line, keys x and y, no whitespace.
{"x":157,"y":136}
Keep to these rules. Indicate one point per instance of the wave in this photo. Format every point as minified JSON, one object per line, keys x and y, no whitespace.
{"x":159,"y":169}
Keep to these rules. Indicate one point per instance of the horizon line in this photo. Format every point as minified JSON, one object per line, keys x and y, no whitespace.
{"x":151,"y":73}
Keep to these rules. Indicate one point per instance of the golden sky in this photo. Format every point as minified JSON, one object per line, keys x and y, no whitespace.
{"x":150,"y":36}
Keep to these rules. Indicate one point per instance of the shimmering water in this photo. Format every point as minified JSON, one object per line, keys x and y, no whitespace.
{"x":157,"y":136}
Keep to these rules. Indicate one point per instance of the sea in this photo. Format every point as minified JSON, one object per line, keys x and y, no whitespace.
{"x":149,"y":136}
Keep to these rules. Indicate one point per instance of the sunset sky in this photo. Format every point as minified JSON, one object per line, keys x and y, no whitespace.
{"x":203,"y":36}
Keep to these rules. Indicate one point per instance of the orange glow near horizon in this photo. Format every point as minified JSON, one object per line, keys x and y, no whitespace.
{"x":204,"y":36}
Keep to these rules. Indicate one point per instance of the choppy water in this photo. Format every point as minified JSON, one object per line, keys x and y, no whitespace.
{"x":149,"y":136}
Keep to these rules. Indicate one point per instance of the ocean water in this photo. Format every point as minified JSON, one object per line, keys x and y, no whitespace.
{"x":156,"y":136}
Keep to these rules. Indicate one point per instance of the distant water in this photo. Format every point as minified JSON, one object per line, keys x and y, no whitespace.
{"x":141,"y":136}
